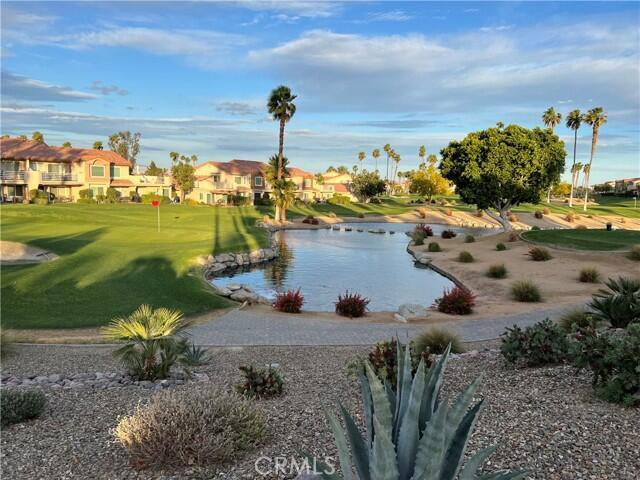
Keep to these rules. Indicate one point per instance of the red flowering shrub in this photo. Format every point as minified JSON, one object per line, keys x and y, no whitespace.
{"x":448,"y":234}
{"x":351,"y":305}
{"x":423,"y":229}
{"x":458,"y":301}
{"x":289,"y":302}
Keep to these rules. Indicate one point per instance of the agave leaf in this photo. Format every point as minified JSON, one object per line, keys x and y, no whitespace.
{"x":341,"y":446}
{"x":431,"y":447}
{"x":432,"y":392}
{"x":459,"y":408}
{"x":383,"y":457}
{"x":455,"y":451}
{"x":359,"y":449}
{"x":472,"y":465}
{"x":391,"y":395}
{"x":409,"y":434}
{"x":367,"y":408}
{"x":381,"y":405}
{"x":404,"y":389}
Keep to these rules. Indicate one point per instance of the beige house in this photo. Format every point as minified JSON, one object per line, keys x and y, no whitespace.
{"x":216,"y":182}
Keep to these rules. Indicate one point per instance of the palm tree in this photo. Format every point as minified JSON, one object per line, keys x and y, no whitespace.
{"x":361,"y":157}
{"x":284,"y":194}
{"x":422,"y":152}
{"x":576,"y":168}
{"x":551,"y":118}
{"x":375,"y":154}
{"x":586,"y":170}
{"x":153,"y":340}
{"x":97,"y":145}
{"x":574,"y":120}
{"x":271,"y":173}
{"x":282,"y":108}
{"x":596,"y":118}
{"x":387,"y":150}
{"x":396,"y":159}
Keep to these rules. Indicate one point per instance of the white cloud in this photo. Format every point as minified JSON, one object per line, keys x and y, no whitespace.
{"x":300,"y":8}
{"x":18,"y":87}
{"x":390,"y":16}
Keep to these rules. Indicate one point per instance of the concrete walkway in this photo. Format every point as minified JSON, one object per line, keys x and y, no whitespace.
{"x":247,"y":327}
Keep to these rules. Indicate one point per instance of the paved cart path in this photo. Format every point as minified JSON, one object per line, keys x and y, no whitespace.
{"x":248,"y":327}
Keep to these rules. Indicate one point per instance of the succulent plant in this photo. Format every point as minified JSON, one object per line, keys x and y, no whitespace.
{"x":410,"y":434}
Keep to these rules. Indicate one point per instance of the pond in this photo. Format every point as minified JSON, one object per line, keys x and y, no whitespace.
{"x":325,"y":263}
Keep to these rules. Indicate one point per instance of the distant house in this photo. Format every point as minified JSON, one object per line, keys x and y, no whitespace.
{"x":626,"y":185}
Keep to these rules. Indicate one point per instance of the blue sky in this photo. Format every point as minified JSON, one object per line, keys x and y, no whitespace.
{"x":194,"y":77}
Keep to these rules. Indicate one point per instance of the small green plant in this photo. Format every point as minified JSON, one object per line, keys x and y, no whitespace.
{"x":535,"y":227}
{"x":635,"y":253}
{"x":418,"y":238}
{"x":577,"y":318}
{"x":538,"y":214}
{"x":457,"y":301}
{"x":260,"y":382}
{"x":589,"y":275}
{"x":544,"y":343}
{"x":191,"y":355}
{"x":351,"y":305}
{"x":465,"y":257}
{"x":497,"y":271}
{"x":190,"y":428}
{"x":526,"y":291}
{"x":539,"y":254}
{"x":619,"y":304}
{"x":469,"y":239}
{"x":501,"y":247}
{"x":18,"y":405}
{"x":434,"y":247}
{"x":436,"y":340}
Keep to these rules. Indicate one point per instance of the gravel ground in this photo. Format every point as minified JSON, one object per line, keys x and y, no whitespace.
{"x":546,"y":420}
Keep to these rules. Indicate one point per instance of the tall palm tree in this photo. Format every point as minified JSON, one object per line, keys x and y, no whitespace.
{"x":375,"y":154}
{"x":422,"y":152}
{"x":596,"y":118}
{"x":361,"y":157}
{"x":282,"y":108}
{"x":551,"y":118}
{"x":387,"y":150}
{"x":576,"y":168}
{"x":574,"y":120}
{"x":396,"y":159}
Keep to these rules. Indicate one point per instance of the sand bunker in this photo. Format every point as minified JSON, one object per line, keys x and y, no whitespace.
{"x":14,"y":253}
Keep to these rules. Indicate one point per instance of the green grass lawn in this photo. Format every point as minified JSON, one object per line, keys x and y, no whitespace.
{"x":389,"y":206}
{"x":112,"y":259}
{"x":583,"y":239}
{"x":607,"y":205}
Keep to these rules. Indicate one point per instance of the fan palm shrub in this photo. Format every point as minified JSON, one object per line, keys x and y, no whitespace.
{"x":154,"y":340}
{"x":410,"y":432}
{"x":619,"y":304}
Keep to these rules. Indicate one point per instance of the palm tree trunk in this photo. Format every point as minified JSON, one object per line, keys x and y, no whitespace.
{"x":386,"y":177}
{"x":278,"y":213}
{"x":573,"y":175}
{"x":594,"y":140}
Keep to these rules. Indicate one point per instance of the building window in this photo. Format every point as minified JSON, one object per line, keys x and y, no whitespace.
{"x":97,"y":170}
{"x":115,"y":171}
{"x":307,"y":182}
{"x":97,"y":190}
{"x":216,"y":178}
{"x":238,"y":180}
{"x":258,"y":181}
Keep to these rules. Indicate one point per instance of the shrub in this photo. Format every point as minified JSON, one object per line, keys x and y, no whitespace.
{"x":153,"y":341}
{"x":361,"y":215}
{"x":479,"y":213}
{"x":635,"y":253}
{"x":384,"y":360}
{"x":570,"y":217}
{"x":446,"y":234}
{"x":620,"y":304}
{"x":18,"y":405}
{"x":513,"y":217}
{"x":541,"y":344}
{"x":40,"y":201}
{"x":497,"y":271}
{"x":113,"y":195}
{"x":190,"y":427}
{"x":457,"y":301}
{"x":338,"y":199}
{"x":238,"y":200}
{"x":260,"y":382}
{"x":434,"y":247}
{"x":289,"y":302}
{"x":535,"y":227}
{"x":448,"y":212}
{"x":86,"y":193}
{"x":151,"y":197}
{"x":465,"y":257}
{"x":539,"y":254}
{"x":308,"y":219}
{"x":417,"y":237}
{"x":190,"y":202}
{"x":435,"y":341}
{"x":526,"y":291}
{"x":86,"y":201}
{"x":546,"y":210}
{"x":538,"y":214}
{"x":100,"y":198}
{"x":426,"y":230}
{"x":501,"y":247}
{"x":589,"y":275}
{"x":578,"y":318}
{"x":351,"y":305}
{"x":192,"y":355}
{"x":513,"y":237}
{"x":469,"y":239}
{"x":613,"y":359}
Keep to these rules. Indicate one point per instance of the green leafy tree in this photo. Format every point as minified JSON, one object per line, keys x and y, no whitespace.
{"x":427,"y":182}
{"x":282,"y":108}
{"x":501,"y":168}
{"x":127,"y":145}
{"x":376,"y":154}
{"x":154,"y":170}
{"x":37,"y":136}
{"x":97,"y":145}
{"x":574,"y":120}
{"x":66,"y":144}
{"x":367,"y":185}
{"x":318,"y":178}
{"x":284,"y":195}
{"x":183,"y":173}
{"x":596,"y":118}
{"x":561,"y":189}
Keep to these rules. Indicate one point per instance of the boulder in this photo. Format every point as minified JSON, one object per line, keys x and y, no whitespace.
{"x":399,"y":318}
{"x":224,"y":257}
{"x":234,"y":286}
{"x":244,"y":296}
{"x":377,"y":230}
{"x":412,"y":310}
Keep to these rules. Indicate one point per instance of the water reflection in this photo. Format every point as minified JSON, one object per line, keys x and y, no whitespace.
{"x":276,"y":273}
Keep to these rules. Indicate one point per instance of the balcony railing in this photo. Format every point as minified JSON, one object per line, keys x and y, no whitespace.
{"x":59,"y":177}
{"x":13,"y":175}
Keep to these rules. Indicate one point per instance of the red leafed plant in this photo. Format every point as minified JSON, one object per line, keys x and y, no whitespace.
{"x":351,"y":305}
{"x":448,"y":234}
{"x":424,"y":229}
{"x":289,"y":302}
{"x":458,"y":301}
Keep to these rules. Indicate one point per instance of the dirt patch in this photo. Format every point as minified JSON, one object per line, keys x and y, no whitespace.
{"x":14,"y":253}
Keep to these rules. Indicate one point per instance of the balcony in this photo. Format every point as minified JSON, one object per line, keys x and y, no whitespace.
{"x":13,"y":176}
{"x":58,"y":177}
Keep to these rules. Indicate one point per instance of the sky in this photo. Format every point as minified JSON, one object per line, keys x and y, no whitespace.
{"x":195,"y":77}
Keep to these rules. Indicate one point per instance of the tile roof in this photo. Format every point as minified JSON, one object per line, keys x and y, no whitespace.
{"x":121,"y":183}
{"x":298,"y":172}
{"x":19,"y":149}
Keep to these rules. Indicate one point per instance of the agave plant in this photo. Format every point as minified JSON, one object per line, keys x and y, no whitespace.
{"x":620,"y":304}
{"x":154,"y":339}
{"x":409,"y":433}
